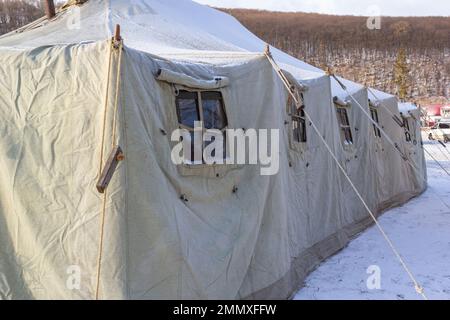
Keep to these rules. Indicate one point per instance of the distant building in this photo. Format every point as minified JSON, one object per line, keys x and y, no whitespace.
{"x":431,"y":114}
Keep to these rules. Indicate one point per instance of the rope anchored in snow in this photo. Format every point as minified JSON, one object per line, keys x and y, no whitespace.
{"x":418,"y":288}
{"x":395,"y":145}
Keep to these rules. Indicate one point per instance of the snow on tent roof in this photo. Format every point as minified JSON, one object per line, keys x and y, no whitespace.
{"x":375,"y":95}
{"x":179,"y":29}
{"x":351,"y":87}
{"x":176,"y":29}
{"x":405,"y":107}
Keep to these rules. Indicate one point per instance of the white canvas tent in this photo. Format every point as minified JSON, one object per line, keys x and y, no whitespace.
{"x":164,"y":230}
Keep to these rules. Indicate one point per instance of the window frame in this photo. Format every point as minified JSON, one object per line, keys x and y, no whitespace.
{"x":199,"y":100}
{"x":295,"y":116}
{"x":177,"y":107}
{"x":407,"y":129}
{"x":375,"y":117}
{"x":344,"y":129}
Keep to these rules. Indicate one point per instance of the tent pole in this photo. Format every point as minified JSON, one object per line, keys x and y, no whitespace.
{"x":49,"y":6}
{"x":117,"y":36}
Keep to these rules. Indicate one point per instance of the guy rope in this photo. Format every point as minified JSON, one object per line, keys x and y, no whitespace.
{"x":419,"y":289}
{"x":395,"y":145}
{"x":107,"y":169}
{"x":390,"y":112}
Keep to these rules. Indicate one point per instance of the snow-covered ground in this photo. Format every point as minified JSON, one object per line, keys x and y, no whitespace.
{"x":421,"y":232}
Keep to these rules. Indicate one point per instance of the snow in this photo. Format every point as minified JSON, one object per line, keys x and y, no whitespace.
{"x":376,"y":95}
{"x":419,"y":230}
{"x":405,"y":107}
{"x":350,"y":87}
{"x":174,"y":29}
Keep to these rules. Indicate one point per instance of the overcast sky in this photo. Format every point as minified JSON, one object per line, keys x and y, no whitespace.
{"x":353,"y":7}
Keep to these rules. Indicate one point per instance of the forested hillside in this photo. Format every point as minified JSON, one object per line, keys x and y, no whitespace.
{"x":416,"y":46}
{"x":363,"y":55}
{"x":16,"y":13}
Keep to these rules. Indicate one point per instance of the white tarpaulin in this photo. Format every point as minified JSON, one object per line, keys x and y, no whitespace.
{"x":175,"y":231}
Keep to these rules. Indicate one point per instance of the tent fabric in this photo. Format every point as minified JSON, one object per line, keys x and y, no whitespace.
{"x":177,"y":78}
{"x":175,"y":231}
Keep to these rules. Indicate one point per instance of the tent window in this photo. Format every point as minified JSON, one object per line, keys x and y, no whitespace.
{"x":444,"y":126}
{"x":374,"y":115}
{"x":344,"y":123}
{"x":213,"y":111}
{"x":188,"y":108}
{"x":298,"y":120}
{"x":407,"y":130}
{"x":206,"y":107}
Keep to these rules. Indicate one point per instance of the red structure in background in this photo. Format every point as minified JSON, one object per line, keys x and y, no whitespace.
{"x":431,"y":114}
{"x":433,"y":109}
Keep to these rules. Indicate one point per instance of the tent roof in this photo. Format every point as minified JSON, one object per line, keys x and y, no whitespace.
{"x":404,"y":107}
{"x":174,"y":29}
{"x":177,"y":29}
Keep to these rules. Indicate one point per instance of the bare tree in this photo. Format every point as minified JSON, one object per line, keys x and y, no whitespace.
{"x":17,"y":13}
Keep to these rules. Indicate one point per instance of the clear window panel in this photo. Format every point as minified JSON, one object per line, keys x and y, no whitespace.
{"x":348,"y":136}
{"x":187,"y":108}
{"x":298,"y":121}
{"x":296,"y":130}
{"x":302,"y":125}
{"x":213,"y":112}
{"x":344,"y":116}
{"x":374,"y":114}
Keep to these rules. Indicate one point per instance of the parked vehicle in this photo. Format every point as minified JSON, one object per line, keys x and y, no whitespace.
{"x":445,"y":112}
{"x":440,"y":131}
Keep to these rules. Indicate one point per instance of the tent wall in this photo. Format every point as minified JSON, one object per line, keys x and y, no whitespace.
{"x":51,"y":106}
{"x":259,"y":242}
{"x":359,"y":160}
